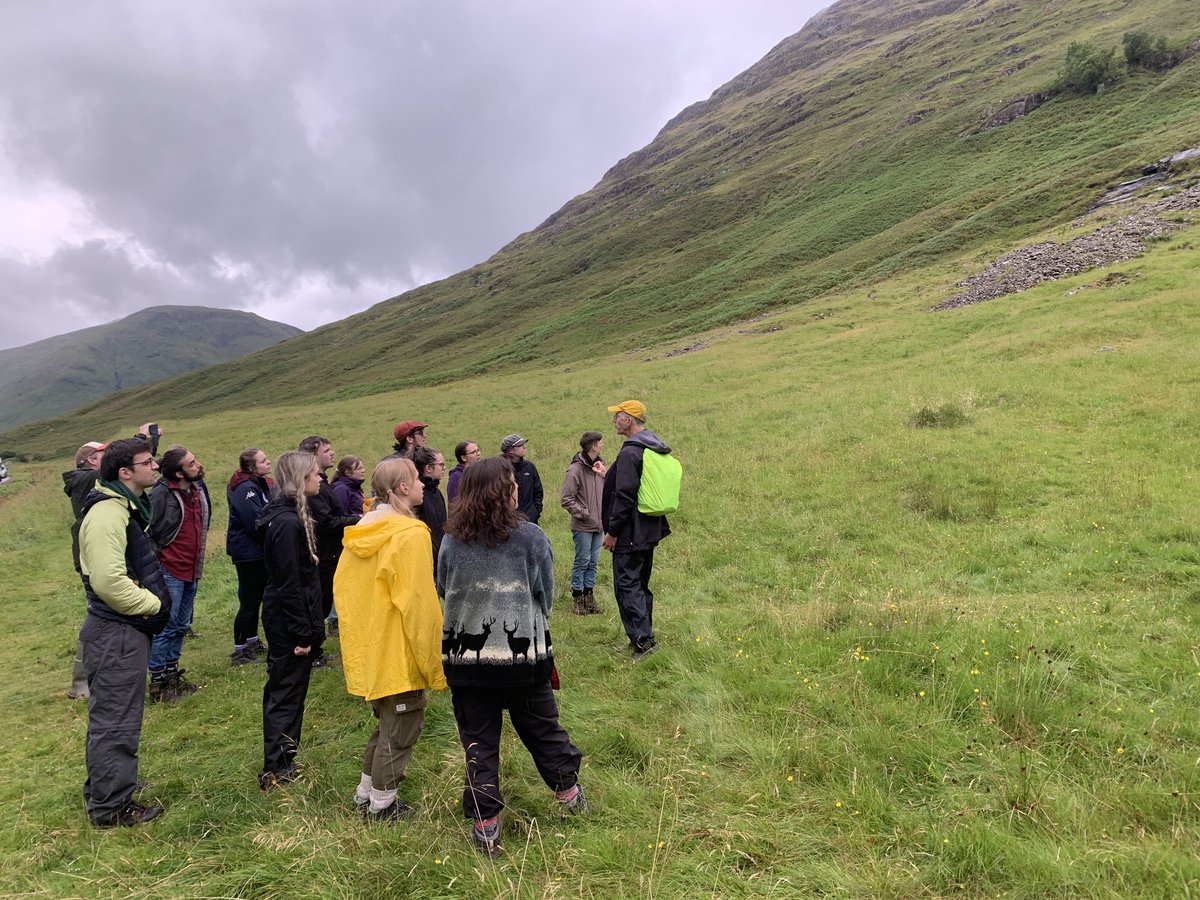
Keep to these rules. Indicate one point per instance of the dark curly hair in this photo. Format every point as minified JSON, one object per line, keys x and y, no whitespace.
{"x":483,"y":508}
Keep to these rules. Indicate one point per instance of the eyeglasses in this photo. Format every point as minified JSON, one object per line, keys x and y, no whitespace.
{"x":143,"y":462}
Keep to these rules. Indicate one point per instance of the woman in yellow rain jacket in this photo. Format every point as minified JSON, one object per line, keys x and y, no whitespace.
{"x":391,"y":631}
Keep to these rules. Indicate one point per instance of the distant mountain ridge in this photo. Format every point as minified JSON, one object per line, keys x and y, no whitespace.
{"x":850,"y":153}
{"x":52,"y":376}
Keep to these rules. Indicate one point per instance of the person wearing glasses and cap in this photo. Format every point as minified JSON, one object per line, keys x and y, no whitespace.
{"x":409,"y":434}
{"x":629,"y":534}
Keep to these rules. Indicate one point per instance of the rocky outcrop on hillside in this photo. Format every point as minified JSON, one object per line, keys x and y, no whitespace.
{"x":1048,"y":261}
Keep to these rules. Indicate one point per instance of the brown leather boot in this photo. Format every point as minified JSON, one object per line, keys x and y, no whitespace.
{"x":590,"y":604}
{"x":580,"y":603}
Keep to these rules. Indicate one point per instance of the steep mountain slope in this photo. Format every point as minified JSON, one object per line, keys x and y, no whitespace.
{"x":849,"y":153}
{"x":60,"y":373}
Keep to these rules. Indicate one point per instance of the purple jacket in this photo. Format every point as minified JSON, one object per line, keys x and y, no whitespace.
{"x":349,"y":495}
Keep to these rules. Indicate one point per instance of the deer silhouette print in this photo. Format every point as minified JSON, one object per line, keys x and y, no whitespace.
{"x":518,"y":646}
{"x":450,"y":642}
{"x":467,"y":642}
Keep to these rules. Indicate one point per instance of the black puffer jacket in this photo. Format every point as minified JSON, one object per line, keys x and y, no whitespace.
{"x":328,"y":524}
{"x":141,"y":565}
{"x":291,"y":609}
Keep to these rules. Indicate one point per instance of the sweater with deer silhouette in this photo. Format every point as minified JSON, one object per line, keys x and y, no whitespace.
{"x":495,"y":609}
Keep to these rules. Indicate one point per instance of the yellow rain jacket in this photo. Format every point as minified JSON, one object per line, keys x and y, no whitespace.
{"x":389,"y":618}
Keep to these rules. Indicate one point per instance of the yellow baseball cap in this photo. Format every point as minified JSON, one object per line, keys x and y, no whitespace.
{"x":635,"y":408}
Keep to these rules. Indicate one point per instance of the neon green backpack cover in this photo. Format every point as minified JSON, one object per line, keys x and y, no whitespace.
{"x":658,"y":494}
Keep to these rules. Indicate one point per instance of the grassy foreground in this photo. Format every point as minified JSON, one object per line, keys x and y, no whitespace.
{"x":957,"y":660}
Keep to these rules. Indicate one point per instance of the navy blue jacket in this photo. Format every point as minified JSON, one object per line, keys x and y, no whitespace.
{"x":248,"y":496}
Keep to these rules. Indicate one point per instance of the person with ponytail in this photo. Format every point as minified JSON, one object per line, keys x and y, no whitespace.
{"x":391,"y":631}
{"x":291,"y":612}
{"x":249,"y":491}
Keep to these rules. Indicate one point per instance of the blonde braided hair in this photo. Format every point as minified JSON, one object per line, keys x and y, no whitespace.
{"x":291,"y":470}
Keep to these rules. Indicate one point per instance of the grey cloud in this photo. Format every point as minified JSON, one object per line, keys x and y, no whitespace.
{"x":361,"y":144}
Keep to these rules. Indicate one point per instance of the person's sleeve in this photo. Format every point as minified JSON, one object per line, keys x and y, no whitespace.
{"x":541,"y":582}
{"x":537,"y":492}
{"x":241,"y":509}
{"x":159,"y":495}
{"x":284,"y":544}
{"x":625,"y":489}
{"x":570,"y":494}
{"x":102,"y":557}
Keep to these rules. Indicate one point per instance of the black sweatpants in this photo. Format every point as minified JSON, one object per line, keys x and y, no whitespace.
{"x":252,"y":581}
{"x":115,"y":655}
{"x":479,"y":713}
{"x":635,"y":601}
{"x":283,"y":708}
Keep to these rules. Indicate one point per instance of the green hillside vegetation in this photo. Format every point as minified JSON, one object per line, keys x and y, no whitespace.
{"x":57,"y":374}
{"x":848,"y":154}
{"x":927,"y":625}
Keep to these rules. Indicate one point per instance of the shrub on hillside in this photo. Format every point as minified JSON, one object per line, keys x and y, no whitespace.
{"x":1142,"y":51}
{"x":1087,"y":68}
{"x":947,"y":415}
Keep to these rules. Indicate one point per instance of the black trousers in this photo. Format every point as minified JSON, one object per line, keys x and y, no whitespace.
{"x":115,"y":655}
{"x":283,"y":708}
{"x":479,"y":713}
{"x":635,"y":600}
{"x":252,"y":581}
{"x":326,"y":574}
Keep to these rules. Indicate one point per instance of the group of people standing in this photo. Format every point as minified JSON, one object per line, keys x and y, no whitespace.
{"x":420,"y":586}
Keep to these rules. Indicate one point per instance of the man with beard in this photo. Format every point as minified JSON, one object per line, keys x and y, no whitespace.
{"x":179,"y":527}
{"x":328,"y":525}
{"x":431,"y":466}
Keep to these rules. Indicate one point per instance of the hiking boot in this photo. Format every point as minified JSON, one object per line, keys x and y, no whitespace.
{"x":580,"y":603}
{"x":130,"y":814}
{"x":268,"y":780}
{"x":180,"y":685}
{"x":244,"y":656}
{"x":257,"y":647}
{"x":645,"y":648}
{"x":78,"y":694}
{"x":394,"y":812}
{"x":191,"y":633}
{"x":486,"y":838}
{"x":572,"y":802}
{"x":161,"y":689}
{"x":590,"y":604}
{"x":325,"y":661}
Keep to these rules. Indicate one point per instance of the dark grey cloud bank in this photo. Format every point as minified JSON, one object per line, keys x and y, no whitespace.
{"x":304,"y":160}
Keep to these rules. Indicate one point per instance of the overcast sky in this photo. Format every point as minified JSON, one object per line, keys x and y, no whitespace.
{"x":303,"y":160}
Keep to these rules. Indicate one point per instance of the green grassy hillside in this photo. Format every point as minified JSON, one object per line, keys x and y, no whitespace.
{"x":52,"y":376}
{"x":839,"y":159}
{"x":928,"y":628}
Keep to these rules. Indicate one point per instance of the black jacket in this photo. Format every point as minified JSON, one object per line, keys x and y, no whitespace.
{"x":432,"y":512}
{"x":634,"y":530}
{"x":291,"y":609}
{"x":529,"y":489}
{"x":328,"y":523}
{"x":77,"y":484}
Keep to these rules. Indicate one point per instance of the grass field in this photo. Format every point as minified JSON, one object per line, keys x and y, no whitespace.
{"x":927,"y":622}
